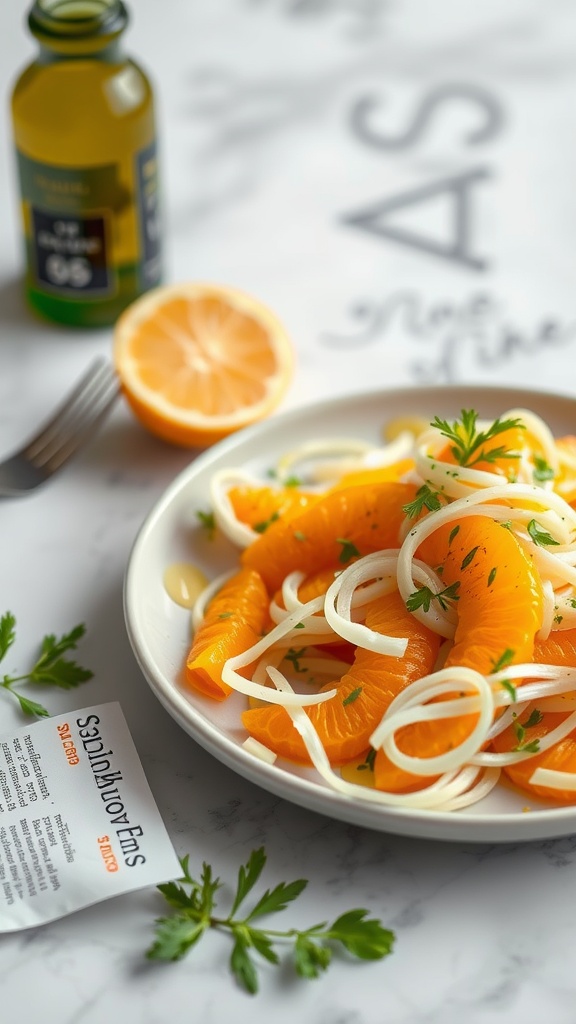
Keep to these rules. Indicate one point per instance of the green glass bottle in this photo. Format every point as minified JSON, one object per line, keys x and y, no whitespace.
{"x":84,"y":131}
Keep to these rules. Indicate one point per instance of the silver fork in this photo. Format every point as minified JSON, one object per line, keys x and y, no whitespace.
{"x":72,"y":424}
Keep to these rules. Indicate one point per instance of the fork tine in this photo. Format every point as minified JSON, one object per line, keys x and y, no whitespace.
{"x":75,"y":418}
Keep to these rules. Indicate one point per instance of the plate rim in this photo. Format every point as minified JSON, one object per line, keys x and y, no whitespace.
{"x":508,"y":826}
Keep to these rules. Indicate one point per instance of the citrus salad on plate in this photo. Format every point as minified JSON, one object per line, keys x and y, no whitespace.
{"x":402,"y":617}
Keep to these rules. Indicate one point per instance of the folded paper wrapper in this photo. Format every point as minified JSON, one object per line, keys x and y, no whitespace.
{"x":78,"y":822}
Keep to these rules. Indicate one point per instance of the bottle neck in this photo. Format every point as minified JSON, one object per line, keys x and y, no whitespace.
{"x":111,"y":54}
{"x":72,"y":29}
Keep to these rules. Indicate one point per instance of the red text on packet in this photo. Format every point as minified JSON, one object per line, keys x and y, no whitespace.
{"x":110,"y":862}
{"x":68,"y":743}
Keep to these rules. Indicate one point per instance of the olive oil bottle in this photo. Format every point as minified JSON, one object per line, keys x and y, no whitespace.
{"x":84,"y":132}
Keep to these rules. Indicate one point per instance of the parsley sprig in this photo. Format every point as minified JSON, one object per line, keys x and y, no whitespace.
{"x":423,"y":597}
{"x":50,"y":668}
{"x":469,"y":444}
{"x":193,"y":903}
{"x":425,"y":498}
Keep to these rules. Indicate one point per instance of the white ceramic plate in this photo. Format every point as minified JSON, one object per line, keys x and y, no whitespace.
{"x":159,"y":630}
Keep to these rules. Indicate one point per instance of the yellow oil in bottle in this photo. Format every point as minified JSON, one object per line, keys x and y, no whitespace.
{"x":84,"y":132}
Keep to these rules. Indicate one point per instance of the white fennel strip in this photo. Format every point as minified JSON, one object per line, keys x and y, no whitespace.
{"x":438,"y":795}
{"x":344,"y":595}
{"x":203,"y":600}
{"x":544,"y":743}
{"x":548,"y":610}
{"x":221,"y":483}
{"x":285,"y":630}
{"x":554,"y":779}
{"x":418,"y":703}
{"x":544,"y":681}
{"x":324,"y":460}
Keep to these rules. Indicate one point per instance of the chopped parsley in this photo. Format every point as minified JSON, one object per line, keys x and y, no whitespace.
{"x":208,"y":521}
{"x":530,"y":746}
{"x":425,"y":498}
{"x":504,"y":660}
{"x":542,"y":470}
{"x":423,"y":597}
{"x":263,"y":526}
{"x":293,"y":656}
{"x":469,"y":557}
{"x":539,"y":535}
{"x":368,"y":762}
{"x":352,"y":696}
{"x":453,"y":534}
{"x":349,"y":550}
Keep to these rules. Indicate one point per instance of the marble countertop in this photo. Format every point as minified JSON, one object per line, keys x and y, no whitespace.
{"x":399,"y":188}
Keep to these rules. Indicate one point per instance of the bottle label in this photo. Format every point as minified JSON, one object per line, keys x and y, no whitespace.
{"x":149,"y":216}
{"x":69,"y":214}
{"x":70,"y":252}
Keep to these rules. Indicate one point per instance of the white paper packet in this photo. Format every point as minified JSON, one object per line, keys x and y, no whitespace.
{"x":78,"y":822}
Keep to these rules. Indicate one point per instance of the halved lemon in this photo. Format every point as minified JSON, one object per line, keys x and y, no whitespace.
{"x":199,"y":361}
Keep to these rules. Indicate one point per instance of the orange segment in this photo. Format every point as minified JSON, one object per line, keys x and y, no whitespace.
{"x":364,"y":518}
{"x":499,"y":609}
{"x":345,"y":723}
{"x":198,"y":361}
{"x":500,"y":594}
{"x":561,"y":757}
{"x":375,"y":475}
{"x":259,"y":506}
{"x":234,"y":621}
{"x":558,"y":649}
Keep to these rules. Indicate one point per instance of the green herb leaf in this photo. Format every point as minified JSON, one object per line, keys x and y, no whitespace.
{"x":507,"y":685}
{"x":532,"y":746}
{"x":539,"y":535}
{"x":534,"y":718}
{"x":241,"y":963}
{"x":208,"y":521}
{"x":469,"y":557}
{"x":293,"y":656}
{"x":542,"y":470}
{"x":349,"y":550}
{"x":263,"y":526}
{"x":194,"y":914}
{"x":278,"y":898}
{"x":468,"y":443}
{"x":423,"y":597}
{"x":31,"y":707}
{"x":504,"y":660}
{"x":248,"y":875}
{"x":364,"y":938}
{"x":50,"y":669}
{"x":425,"y":498}
{"x":453,"y":534}
{"x":368,"y":763}
{"x":175,"y":937}
{"x":7,"y":632}
{"x":352,"y":696}
{"x":310,"y":957}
